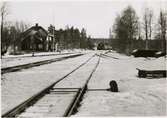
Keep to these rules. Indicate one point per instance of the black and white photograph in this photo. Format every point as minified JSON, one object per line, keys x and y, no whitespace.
{"x":83,"y":58}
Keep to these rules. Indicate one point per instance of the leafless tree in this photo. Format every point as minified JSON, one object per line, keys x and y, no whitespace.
{"x":150,"y":22}
{"x":126,"y":30}
{"x":18,"y":28}
{"x":148,"y":18}
{"x":4,"y":12}
{"x":163,"y":26}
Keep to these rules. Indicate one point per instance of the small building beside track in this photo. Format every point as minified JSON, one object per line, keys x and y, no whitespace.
{"x":34,"y":39}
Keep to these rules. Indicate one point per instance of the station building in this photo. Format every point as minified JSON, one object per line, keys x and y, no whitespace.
{"x":37,"y":38}
{"x":34,"y":39}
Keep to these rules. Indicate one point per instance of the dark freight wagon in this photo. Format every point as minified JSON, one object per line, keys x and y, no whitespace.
{"x":148,"y":53}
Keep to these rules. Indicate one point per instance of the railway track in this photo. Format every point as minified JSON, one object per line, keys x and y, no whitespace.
{"x":33,"y":64}
{"x":75,"y":103}
{"x":105,"y":55}
{"x":49,"y":97}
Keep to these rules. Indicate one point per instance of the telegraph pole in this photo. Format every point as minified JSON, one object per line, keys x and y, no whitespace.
{"x":53,"y":38}
{"x":53,"y":31}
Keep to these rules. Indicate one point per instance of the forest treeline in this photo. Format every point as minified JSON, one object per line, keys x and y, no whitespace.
{"x":130,"y":32}
{"x":68,"y":38}
{"x":71,"y":38}
{"x":11,"y":34}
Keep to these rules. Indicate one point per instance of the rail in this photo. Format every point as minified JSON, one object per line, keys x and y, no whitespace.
{"x":21,"y":107}
{"x":29,"y":65}
{"x":75,"y":103}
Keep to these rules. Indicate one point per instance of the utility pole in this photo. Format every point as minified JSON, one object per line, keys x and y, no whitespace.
{"x":14,"y":43}
{"x":110,"y":34}
{"x":32,"y":40}
{"x":53,"y":28}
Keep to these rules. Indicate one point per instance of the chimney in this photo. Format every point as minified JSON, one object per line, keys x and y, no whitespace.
{"x":36,"y":25}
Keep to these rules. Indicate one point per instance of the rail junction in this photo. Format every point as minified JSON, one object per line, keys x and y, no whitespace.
{"x":77,"y":84}
{"x":45,"y":103}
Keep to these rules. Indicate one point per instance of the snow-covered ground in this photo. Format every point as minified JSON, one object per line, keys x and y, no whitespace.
{"x":44,"y":53}
{"x":30,"y":54}
{"x":154,"y":64}
{"x":78,"y":78}
{"x":9,"y":62}
{"x":16,"y":87}
{"x":116,"y":55}
{"x":136,"y":96}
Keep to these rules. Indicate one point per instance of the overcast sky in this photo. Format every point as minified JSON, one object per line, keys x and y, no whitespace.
{"x":96,"y":16}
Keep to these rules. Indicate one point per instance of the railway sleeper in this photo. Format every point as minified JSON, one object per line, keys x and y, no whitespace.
{"x":52,"y":93}
{"x":73,"y":107}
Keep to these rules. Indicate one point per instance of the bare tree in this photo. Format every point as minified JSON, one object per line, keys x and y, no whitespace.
{"x":163,"y":26}
{"x":150,"y":22}
{"x":148,"y":18}
{"x":126,"y":30}
{"x":4,"y":13}
{"x":139,"y":30}
{"x":17,"y":28}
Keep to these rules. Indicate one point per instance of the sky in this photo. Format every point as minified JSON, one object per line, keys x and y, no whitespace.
{"x":96,"y":16}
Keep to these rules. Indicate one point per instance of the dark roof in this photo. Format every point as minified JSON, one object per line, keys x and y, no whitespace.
{"x":36,"y":30}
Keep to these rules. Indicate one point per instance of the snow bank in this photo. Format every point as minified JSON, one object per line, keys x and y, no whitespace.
{"x":156,"y":64}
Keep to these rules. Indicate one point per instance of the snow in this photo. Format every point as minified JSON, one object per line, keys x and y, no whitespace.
{"x":136,"y":96}
{"x":29,"y":54}
{"x":103,"y":103}
{"x":114,"y":54}
{"x":78,"y":78}
{"x":155,"y":64}
{"x":44,"y":53}
{"x":18,"y":86}
{"x":9,"y":62}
